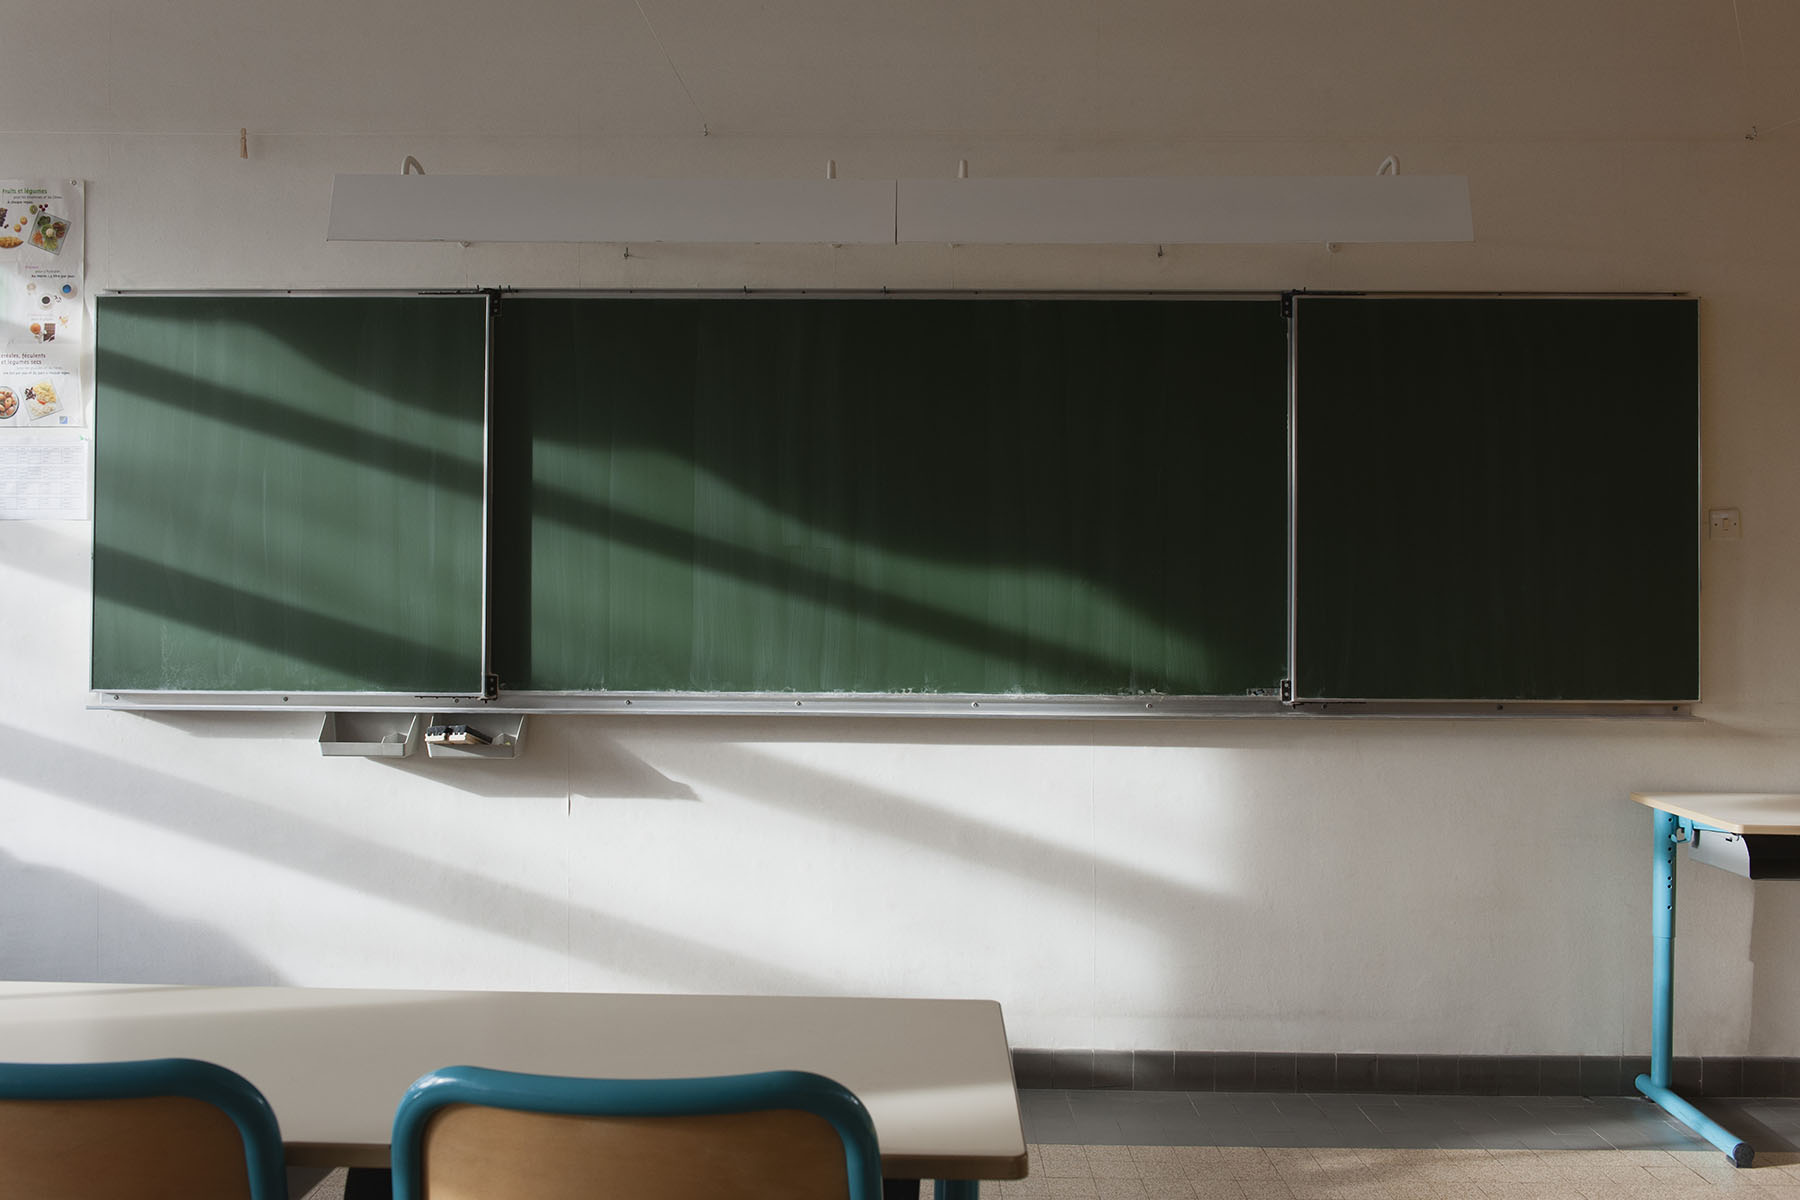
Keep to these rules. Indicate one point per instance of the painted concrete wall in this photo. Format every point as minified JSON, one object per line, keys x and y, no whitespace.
{"x":1476,"y":887}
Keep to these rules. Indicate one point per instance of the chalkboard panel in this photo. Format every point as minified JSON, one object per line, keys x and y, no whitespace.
{"x":886,"y":495}
{"x":289,"y":494}
{"x":1496,"y":499}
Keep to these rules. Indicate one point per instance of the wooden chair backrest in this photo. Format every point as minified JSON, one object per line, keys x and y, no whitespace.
{"x":159,"y":1148}
{"x":473,"y":1152}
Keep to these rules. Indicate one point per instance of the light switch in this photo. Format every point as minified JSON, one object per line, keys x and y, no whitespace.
{"x":1725,"y":525}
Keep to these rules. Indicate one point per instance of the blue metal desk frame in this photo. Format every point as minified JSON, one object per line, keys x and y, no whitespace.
{"x":1671,"y":831}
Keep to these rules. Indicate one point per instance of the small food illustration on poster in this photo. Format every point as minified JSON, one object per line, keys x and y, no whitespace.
{"x":41,"y":400}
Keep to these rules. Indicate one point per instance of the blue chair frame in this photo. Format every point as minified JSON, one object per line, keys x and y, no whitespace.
{"x":226,"y":1090}
{"x":708,"y":1096}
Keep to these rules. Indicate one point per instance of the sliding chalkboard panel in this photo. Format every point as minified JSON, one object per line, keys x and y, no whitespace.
{"x":1496,"y":499}
{"x":289,"y":494}
{"x":886,"y":495}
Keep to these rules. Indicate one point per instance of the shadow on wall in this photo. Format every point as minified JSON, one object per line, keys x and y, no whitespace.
{"x":876,"y":846}
{"x":1774,"y":1014}
{"x":532,"y":915}
{"x":37,"y":941}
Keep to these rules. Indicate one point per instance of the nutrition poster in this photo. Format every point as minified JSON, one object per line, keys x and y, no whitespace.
{"x":43,"y":479}
{"x":42,"y":306}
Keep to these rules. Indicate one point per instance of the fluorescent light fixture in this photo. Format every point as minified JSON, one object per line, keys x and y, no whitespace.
{"x":1276,"y":208}
{"x":1298,"y":208}
{"x":510,"y":208}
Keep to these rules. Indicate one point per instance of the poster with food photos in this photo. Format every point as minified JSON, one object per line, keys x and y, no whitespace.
{"x":43,"y":304}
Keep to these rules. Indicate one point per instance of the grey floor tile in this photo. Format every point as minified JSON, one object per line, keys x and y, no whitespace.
{"x":1039,"y":1118}
{"x":1162,"y":1112}
{"x":1352,"y":1121}
{"x":1044,"y":1101}
{"x":1648,"y":1139}
{"x":1085,"y":1117}
{"x":1124,"y":1102}
{"x":1219,"y":1101}
{"x":1286,"y":1137}
{"x":1062,"y":1132}
{"x":1547,"y":1104}
{"x":1538,"y":1138}
{"x":1103,"y":1133}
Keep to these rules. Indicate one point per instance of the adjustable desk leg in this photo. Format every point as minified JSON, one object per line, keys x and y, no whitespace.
{"x":1657,"y":1084}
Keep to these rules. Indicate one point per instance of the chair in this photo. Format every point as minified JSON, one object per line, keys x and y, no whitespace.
{"x":464,"y":1133}
{"x":159,"y":1129}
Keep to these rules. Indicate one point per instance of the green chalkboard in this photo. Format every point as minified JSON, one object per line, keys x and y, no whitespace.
{"x":289,"y":493}
{"x":890,"y":495}
{"x":1496,"y":499}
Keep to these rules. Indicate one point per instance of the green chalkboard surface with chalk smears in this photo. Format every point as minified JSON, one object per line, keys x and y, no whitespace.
{"x":891,"y":495}
{"x":289,"y":493}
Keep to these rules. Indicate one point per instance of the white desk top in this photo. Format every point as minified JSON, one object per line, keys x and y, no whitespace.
{"x":1734,"y":812}
{"x":936,"y":1075}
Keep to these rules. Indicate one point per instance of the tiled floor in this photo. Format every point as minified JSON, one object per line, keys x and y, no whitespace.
{"x":1287,"y":1119}
{"x":1127,"y":1145}
{"x":1258,"y":1146}
{"x":1308,"y":1173}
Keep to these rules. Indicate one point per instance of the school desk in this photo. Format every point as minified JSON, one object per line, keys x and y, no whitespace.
{"x":936,"y":1075}
{"x":1693,"y":817}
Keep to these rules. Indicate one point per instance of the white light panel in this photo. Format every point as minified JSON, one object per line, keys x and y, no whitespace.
{"x":1298,"y":208}
{"x":511,"y":208}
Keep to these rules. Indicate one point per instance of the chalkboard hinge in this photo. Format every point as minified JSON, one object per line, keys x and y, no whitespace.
{"x":491,"y":688}
{"x":1287,"y":691}
{"x":1287,"y":311}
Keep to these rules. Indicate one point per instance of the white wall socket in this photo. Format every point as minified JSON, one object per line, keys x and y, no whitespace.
{"x":1725,"y":525}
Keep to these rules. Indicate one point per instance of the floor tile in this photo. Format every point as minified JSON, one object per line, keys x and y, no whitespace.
{"x":1450,"y":1124}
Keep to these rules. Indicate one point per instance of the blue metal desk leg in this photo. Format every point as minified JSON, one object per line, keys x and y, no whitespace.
{"x":1656,"y":1085}
{"x":958,"y":1189}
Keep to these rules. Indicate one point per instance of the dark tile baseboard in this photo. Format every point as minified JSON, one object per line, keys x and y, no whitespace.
{"x":1447,"y":1074}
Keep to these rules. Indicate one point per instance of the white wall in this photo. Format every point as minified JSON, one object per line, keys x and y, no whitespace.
{"x":1475,"y":887}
